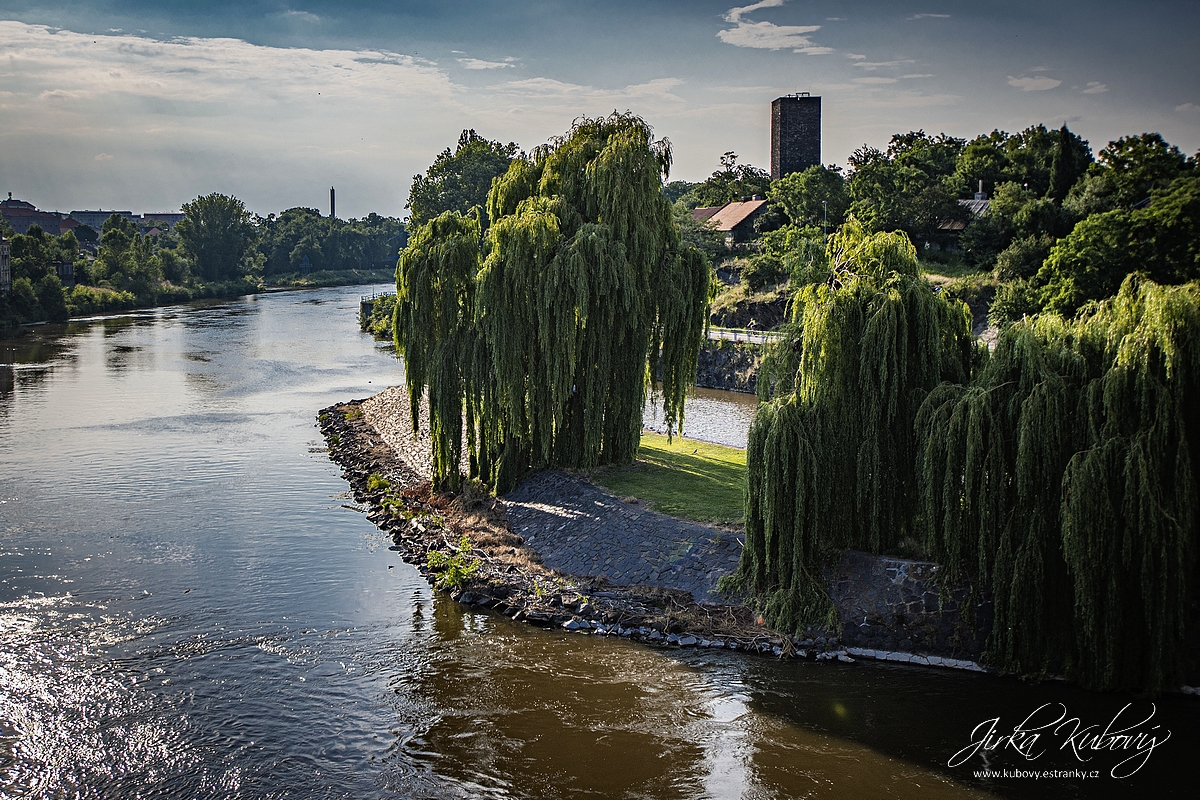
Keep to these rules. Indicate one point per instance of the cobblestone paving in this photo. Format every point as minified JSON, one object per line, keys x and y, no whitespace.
{"x":581,"y":530}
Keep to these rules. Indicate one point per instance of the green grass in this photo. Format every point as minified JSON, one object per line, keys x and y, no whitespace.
{"x":685,"y":478}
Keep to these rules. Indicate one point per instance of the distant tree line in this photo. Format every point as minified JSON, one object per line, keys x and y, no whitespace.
{"x":217,"y":249}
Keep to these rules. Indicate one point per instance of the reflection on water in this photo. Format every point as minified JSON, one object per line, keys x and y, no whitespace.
{"x":187,"y":608}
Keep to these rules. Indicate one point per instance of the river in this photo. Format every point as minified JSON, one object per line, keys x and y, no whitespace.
{"x":188,"y":609}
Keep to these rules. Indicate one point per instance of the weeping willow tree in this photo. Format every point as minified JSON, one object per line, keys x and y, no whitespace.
{"x":434,"y":328}
{"x":830,"y":460}
{"x":1063,"y":477}
{"x":550,"y":343}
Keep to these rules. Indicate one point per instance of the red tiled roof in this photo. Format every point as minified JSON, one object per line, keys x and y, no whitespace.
{"x":730,"y":215}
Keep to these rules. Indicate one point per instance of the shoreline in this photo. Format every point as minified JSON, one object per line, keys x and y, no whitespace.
{"x":372,"y":439}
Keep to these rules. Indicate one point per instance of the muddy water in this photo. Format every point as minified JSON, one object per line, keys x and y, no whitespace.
{"x":188,"y":610}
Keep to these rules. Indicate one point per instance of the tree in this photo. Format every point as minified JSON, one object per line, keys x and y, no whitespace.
{"x":1068,"y":164}
{"x":732,"y":182}
{"x":910,"y":187}
{"x":459,"y":181}
{"x":1161,"y":240}
{"x":830,"y":462}
{"x":807,"y":196}
{"x":216,"y":232}
{"x":1137,"y":165}
{"x":548,"y":343}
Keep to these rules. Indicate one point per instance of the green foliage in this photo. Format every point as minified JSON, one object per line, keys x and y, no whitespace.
{"x":911,"y":187}
{"x":1161,"y":240}
{"x":831,"y":454}
{"x":545,"y":350}
{"x":87,"y":300}
{"x":459,"y":181}
{"x":379,"y":322}
{"x":813,"y":197}
{"x":1062,"y":478}
{"x":435,"y":330}
{"x":375,"y":481}
{"x":50,"y":298}
{"x":677,"y":189}
{"x":285,"y":240}
{"x":731,"y":183}
{"x":216,"y":233}
{"x":456,"y":568}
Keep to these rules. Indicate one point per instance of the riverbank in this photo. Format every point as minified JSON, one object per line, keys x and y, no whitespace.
{"x":506,"y":555}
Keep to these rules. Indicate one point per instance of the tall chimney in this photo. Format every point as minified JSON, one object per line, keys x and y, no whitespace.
{"x":332,"y":205}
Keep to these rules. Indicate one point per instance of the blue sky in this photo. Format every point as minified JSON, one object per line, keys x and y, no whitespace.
{"x":145,"y":105}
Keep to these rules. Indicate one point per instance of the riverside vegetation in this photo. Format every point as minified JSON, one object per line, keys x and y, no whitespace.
{"x":1053,"y":477}
{"x":217,"y":250}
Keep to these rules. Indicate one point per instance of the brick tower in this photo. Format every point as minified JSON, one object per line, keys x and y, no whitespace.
{"x":795,"y":134}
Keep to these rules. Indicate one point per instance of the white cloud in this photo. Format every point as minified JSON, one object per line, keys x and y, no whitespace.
{"x":1095,"y":87}
{"x":301,"y":16}
{"x":855,"y":56}
{"x":1040,"y":69}
{"x":930,"y":16}
{"x":103,"y":157}
{"x":874,"y":80}
{"x":478,"y":63}
{"x":768,"y":35}
{"x":918,"y":75}
{"x":1039,"y":84}
{"x":1188,"y":108}
{"x":734,"y":15}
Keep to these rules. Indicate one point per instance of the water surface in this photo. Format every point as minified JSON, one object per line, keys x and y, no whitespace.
{"x":189,"y":609}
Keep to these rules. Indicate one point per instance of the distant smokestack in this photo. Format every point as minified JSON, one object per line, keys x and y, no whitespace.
{"x":332,"y":205}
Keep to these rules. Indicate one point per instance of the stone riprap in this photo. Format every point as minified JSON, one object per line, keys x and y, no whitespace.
{"x":579,"y":529}
{"x":893,"y":605}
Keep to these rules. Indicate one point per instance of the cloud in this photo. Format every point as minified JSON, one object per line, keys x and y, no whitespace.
{"x":1095,"y":87}
{"x":734,"y":15}
{"x":918,"y":75}
{"x":1039,"y":84}
{"x":855,"y":56}
{"x":1188,"y":108}
{"x":301,"y":16}
{"x":874,"y":80}
{"x":871,"y":66}
{"x":930,"y":16}
{"x":478,"y":63}
{"x":103,"y":157}
{"x":768,"y":35}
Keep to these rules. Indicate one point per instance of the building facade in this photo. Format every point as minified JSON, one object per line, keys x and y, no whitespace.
{"x":795,"y":134}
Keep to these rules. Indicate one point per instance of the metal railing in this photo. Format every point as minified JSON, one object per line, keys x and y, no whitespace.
{"x":745,"y":335}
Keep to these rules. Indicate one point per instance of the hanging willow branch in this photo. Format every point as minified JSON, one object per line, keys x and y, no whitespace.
{"x":1064,"y":479}
{"x":586,"y":293}
{"x":831,"y":463}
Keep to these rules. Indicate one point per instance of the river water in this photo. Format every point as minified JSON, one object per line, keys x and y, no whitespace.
{"x":187,"y":609}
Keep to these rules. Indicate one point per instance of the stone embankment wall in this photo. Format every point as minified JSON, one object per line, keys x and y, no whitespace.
{"x":893,"y":606}
{"x":731,"y":366}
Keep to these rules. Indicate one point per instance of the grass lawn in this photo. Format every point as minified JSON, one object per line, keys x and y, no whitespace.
{"x":685,"y":478}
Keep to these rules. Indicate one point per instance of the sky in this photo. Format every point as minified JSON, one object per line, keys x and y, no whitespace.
{"x":144,"y":106}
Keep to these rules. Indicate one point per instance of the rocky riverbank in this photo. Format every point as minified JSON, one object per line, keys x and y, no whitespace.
{"x":462,"y":543}
{"x":475,"y":548}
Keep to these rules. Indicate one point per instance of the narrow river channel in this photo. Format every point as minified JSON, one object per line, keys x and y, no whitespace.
{"x":187,"y":609}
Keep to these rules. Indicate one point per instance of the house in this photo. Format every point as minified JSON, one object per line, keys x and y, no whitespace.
{"x":977,"y":206}
{"x":735,"y":220}
{"x":96,"y":219}
{"x":22,"y":216}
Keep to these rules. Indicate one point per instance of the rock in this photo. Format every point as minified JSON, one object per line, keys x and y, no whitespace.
{"x":586,"y":609}
{"x":687,"y":641}
{"x":844,"y":658}
{"x":576,"y":625}
{"x":654,"y":636}
{"x":467,"y":598}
